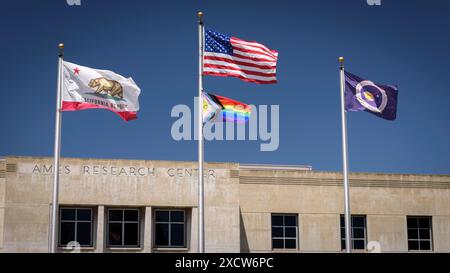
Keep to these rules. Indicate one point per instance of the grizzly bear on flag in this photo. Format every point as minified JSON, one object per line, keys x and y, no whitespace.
{"x":113,"y":88}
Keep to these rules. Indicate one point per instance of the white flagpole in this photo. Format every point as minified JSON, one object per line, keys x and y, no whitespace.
{"x":57,"y":152}
{"x":348,"y":245}
{"x":201,"y":195}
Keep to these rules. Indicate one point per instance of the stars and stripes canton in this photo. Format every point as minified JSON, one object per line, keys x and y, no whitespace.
{"x":232,"y":57}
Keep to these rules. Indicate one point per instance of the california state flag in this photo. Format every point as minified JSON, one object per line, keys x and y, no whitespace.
{"x":86,"y":88}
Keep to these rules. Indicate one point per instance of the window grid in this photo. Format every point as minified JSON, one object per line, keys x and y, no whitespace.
{"x":75,"y":222}
{"x":423,"y":244}
{"x":284,"y":227}
{"x":422,"y":241}
{"x":123,"y":222}
{"x":169,"y":223}
{"x":354,"y":230}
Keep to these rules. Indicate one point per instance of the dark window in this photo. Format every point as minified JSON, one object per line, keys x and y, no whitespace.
{"x":123,"y":228}
{"x":358,"y":232}
{"x":420,"y":233}
{"x":76,"y":224}
{"x":284,"y":231}
{"x":170,"y":228}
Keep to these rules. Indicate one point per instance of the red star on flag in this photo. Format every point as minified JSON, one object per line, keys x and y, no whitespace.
{"x":76,"y":71}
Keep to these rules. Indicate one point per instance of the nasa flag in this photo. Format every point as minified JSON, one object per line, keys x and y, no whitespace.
{"x":364,"y":95}
{"x":87,"y":88}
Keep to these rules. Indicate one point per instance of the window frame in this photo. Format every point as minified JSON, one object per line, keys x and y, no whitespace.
{"x":419,"y":240}
{"x":297,"y":239}
{"x":91,"y":221}
{"x":169,"y":223}
{"x":352,"y":239}
{"x":123,"y":222}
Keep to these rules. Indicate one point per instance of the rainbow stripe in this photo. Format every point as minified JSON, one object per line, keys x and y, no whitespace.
{"x":232,"y":110}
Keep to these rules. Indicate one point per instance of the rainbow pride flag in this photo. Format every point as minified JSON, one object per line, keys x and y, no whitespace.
{"x":232,"y":110}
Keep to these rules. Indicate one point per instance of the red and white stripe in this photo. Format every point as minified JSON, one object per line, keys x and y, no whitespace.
{"x":251,"y":62}
{"x":77,"y":106}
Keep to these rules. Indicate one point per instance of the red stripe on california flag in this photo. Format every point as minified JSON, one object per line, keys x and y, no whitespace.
{"x":77,"y":106}
{"x":238,"y":69}
{"x":239,"y":62}
{"x":238,"y":76}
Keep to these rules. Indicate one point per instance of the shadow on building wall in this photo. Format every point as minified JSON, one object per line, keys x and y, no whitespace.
{"x":244,"y":243}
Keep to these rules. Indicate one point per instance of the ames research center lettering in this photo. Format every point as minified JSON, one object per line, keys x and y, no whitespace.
{"x":107,"y":170}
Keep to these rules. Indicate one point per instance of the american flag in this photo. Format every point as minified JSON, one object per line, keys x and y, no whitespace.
{"x":232,"y":57}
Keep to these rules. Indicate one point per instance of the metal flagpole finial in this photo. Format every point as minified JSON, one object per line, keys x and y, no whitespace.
{"x":200,"y":17}
{"x":341,"y":61}
{"x":61,"y":48}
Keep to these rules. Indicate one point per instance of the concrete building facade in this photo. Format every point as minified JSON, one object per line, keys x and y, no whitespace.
{"x":151,"y":206}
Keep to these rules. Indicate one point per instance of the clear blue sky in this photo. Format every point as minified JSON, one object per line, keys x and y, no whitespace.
{"x":403,"y":42}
